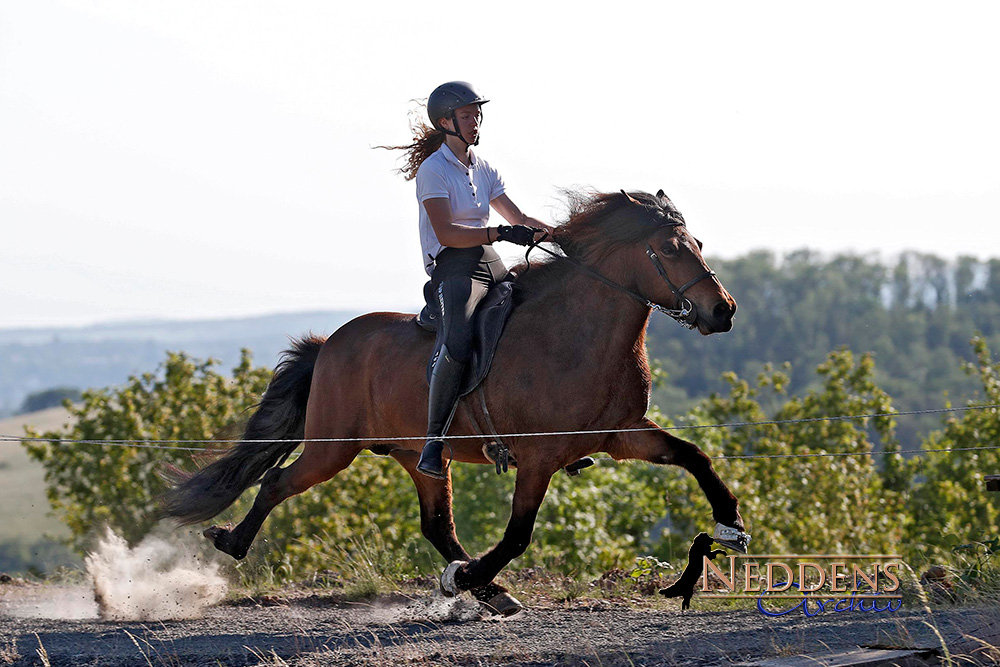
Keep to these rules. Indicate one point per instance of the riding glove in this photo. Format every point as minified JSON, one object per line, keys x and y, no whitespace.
{"x":519,"y":234}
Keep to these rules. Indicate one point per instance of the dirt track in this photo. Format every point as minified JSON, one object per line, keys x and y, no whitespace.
{"x":430,"y":630}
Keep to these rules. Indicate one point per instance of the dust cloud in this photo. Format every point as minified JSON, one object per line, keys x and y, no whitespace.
{"x":68,"y":603}
{"x":435,"y":609}
{"x":157,"y":580}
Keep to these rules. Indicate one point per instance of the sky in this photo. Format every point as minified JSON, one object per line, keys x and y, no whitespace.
{"x":187,"y":160}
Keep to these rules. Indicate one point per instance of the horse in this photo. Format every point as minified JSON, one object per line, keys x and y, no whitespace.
{"x":572,"y":361}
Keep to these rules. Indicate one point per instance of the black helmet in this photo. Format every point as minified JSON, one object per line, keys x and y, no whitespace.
{"x":447,"y":98}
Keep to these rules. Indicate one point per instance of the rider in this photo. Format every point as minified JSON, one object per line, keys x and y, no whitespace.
{"x":455,"y":189}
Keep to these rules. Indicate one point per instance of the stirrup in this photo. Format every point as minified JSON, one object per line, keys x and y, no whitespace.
{"x":498,"y":454}
{"x":431,"y":463}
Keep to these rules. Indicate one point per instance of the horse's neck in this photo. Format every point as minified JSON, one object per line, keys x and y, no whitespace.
{"x":615,"y":318}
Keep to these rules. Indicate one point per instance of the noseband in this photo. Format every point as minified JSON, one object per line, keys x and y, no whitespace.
{"x":686,"y":314}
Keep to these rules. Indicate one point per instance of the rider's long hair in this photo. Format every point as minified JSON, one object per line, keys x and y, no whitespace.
{"x":426,"y":140}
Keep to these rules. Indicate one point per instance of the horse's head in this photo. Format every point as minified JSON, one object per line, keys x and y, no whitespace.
{"x":676,"y":272}
{"x":642,"y":240}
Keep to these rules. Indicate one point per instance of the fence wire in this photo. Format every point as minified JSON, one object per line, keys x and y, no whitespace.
{"x":175,"y":443}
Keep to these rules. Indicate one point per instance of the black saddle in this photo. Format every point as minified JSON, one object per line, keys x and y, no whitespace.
{"x":491,"y":316}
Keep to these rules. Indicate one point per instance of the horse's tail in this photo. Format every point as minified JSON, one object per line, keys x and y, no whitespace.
{"x":274,"y":430}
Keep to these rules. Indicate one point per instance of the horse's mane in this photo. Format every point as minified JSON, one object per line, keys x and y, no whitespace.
{"x":592,"y":230}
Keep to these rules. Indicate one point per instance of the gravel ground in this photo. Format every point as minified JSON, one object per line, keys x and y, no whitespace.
{"x":426,"y":629}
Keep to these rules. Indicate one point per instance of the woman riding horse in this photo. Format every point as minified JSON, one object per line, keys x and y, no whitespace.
{"x":570,"y":375}
{"x":455,"y":190}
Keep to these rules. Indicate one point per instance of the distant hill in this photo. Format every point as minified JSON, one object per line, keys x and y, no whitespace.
{"x":32,"y":360}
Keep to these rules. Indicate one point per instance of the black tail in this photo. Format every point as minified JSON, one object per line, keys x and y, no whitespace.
{"x":280,"y":416}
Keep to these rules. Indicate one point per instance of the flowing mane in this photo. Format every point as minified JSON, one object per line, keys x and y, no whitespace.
{"x":594,"y":230}
{"x":595,"y":227}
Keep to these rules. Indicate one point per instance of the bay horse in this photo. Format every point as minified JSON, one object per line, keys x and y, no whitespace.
{"x":572,"y":358}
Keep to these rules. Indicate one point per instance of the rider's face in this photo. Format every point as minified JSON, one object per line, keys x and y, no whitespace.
{"x":469,"y":118}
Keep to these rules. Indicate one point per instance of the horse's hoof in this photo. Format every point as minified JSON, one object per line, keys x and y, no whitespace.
{"x":503,"y":604}
{"x":219,"y":536}
{"x":731,"y":538}
{"x":448,"y":586}
{"x":215,"y":533}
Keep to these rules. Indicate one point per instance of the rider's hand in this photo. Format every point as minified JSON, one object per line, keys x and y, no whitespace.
{"x":519,"y":234}
{"x":538,"y":225}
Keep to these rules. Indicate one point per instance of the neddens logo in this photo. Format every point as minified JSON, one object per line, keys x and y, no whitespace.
{"x":813,"y":583}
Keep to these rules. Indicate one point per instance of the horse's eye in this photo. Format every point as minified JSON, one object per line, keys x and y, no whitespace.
{"x":669,"y":249}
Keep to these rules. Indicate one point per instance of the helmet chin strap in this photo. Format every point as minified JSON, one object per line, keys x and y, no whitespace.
{"x":456,"y":133}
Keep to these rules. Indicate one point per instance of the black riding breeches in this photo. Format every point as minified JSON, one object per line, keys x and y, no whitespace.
{"x":460,"y":280}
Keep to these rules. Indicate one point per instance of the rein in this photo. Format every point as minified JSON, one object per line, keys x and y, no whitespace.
{"x":686,"y":314}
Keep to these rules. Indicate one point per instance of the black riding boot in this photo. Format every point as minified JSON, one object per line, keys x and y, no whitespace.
{"x":446,"y":382}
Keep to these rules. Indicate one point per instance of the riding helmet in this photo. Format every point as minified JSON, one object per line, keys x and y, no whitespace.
{"x":450,"y":96}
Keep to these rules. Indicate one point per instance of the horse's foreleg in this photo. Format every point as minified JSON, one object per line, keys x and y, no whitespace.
{"x":529,"y":491}
{"x":658,"y":446}
{"x":437,"y":522}
{"x":318,"y":463}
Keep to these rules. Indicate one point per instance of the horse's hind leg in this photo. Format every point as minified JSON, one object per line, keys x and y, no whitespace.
{"x":437,"y":523}
{"x":318,"y":463}
{"x":658,"y":446}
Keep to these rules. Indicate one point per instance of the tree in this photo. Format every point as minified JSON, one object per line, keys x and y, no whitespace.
{"x":949,"y":504}
{"x":92,"y":485}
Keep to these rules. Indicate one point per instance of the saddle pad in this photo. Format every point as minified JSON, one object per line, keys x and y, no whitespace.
{"x":491,"y":317}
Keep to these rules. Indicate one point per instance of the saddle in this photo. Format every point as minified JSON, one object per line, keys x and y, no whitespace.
{"x":490,"y":319}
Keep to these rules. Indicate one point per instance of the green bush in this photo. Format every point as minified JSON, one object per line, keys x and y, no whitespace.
{"x":806,"y":504}
{"x":93,"y":485}
{"x":949,"y":503}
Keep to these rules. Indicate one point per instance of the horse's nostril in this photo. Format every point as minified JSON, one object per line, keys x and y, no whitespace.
{"x":723,"y":311}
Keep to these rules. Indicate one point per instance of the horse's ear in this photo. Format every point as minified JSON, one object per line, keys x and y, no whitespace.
{"x":631,"y":198}
{"x":662,"y":196}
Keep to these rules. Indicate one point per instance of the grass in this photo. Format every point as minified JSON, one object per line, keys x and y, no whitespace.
{"x":980,"y":591}
{"x":366,"y":564}
{"x":43,"y":655}
{"x":970,"y":574}
{"x":360,"y":569}
{"x":8,"y":652}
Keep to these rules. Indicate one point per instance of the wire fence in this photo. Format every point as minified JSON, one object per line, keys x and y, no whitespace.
{"x":178,"y":444}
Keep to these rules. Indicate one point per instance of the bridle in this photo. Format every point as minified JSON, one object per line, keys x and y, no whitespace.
{"x":686,"y":313}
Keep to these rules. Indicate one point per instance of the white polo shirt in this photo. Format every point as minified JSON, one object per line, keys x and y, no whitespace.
{"x":469,"y":190}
